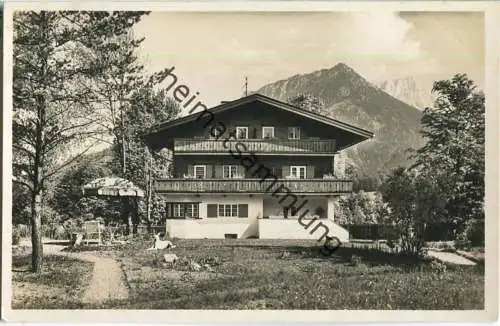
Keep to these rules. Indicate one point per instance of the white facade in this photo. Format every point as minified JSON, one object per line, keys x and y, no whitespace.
{"x":265,"y":218}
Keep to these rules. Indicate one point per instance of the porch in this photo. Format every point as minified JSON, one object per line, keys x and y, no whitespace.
{"x":254,"y":186}
{"x":258,"y":146}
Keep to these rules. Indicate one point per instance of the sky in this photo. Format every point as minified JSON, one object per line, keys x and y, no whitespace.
{"x":213,"y":52}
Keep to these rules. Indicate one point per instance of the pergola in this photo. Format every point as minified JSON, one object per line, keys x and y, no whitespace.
{"x":114,"y":187}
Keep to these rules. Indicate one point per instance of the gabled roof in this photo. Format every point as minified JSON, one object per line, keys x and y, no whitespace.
{"x":264,"y":99}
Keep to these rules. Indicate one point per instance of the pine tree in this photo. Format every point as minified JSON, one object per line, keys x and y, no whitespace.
{"x":53,"y":96}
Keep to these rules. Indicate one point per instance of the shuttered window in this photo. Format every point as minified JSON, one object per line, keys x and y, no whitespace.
{"x":227,"y":210}
{"x":212,"y":210}
{"x":229,"y":171}
{"x":243,"y":210}
{"x":298,"y":172}
{"x":200,"y":171}
{"x":182,"y":210}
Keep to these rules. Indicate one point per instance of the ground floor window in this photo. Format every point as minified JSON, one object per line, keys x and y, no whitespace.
{"x":183,"y":210}
{"x":290,"y":212}
{"x":227,"y":210}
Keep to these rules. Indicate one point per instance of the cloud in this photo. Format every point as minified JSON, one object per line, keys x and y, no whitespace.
{"x":213,"y":52}
{"x":381,"y":34}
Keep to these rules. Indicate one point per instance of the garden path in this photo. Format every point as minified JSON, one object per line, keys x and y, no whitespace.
{"x":449,"y":257}
{"x":107,"y":278}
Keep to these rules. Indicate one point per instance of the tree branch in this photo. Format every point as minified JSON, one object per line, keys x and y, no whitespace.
{"x":62,"y":166}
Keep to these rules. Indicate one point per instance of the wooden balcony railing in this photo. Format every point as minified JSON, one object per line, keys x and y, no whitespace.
{"x":298,"y":146}
{"x":298,"y":186}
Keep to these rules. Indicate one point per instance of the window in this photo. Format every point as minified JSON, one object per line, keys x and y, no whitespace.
{"x":267,"y":132}
{"x":192,"y":210}
{"x":178,"y":210}
{"x":294,"y":133}
{"x":200,"y":171}
{"x":215,"y":133}
{"x":228,"y":210}
{"x":290,"y":212}
{"x":298,"y":172}
{"x":242,"y":132}
{"x":229,"y":171}
{"x":182,"y":210}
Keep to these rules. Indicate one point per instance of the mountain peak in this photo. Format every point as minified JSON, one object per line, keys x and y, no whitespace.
{"x":342,"y":67}
{"x":350,"y":98}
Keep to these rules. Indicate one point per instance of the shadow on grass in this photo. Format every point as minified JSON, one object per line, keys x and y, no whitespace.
{"x":342,"y":254}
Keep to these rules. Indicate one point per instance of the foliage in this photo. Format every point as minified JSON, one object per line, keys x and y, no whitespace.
{"x":474,"y":230}
{"x":21,"y":202}
{"x":454,"y":152}
{"x":68,"y":198}
{"x":361,"y":208}
{"x":400,"y":192}
{"x":16,"y":237}
{"x":309,"y":102}
{"x":131,"y":104}
{"x":447,"y":182}
{"x":148,"y":106}
{"x":54,"y":95}
{"x":356,"y":260}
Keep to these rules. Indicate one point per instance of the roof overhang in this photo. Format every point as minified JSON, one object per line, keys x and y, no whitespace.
{"x":361,"y":134}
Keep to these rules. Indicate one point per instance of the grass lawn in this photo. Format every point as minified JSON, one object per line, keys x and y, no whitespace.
{"x":255,"y":274}
{"x":60,"y":285}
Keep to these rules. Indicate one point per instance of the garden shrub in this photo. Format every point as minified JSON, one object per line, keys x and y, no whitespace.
{"x":16,"y":237}
{"x":461,"y":242}
{"x":437,"y":266}
{"x":474,"y":231}
{"x":355,"y":260}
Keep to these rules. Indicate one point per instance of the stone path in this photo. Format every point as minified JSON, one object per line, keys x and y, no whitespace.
{"x":449,"y":257}
{"x":107,"y":278}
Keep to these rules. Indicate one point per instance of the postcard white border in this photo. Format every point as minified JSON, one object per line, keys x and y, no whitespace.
{"x":492,"y":19}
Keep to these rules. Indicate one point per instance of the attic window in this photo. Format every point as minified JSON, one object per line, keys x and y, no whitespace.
{"x":294,"y":133}
{"x":242,"y":132}
{"x":267,"y":132}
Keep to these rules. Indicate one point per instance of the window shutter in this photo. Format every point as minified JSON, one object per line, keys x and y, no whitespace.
{"x":218,"y":171}
{"x":285,"y":171}
{"x":211,"y":210}
{"x":310,"y":172}
{"x":240,"y":170}
{"x":190,"y":170}
{"x":254,"y":133}
{"x":243,"y":210}
{"x":209,"y":171}
{"x":168,"y":210}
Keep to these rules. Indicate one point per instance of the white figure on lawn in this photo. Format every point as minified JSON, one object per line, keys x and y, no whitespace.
{"x":161,"y":244}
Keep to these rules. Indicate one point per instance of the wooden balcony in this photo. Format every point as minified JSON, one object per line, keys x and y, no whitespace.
{"x":254,"y":186}
{"x":271,"y":146}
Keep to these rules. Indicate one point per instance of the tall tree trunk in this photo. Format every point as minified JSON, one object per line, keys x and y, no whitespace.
{"x":124,"y":156}
{"x":148,"y":191}
{"x":36,"y":236}
{"x":130,"y":224}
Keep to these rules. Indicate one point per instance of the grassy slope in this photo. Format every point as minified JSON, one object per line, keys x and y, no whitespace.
{"x":59,"y":286}
{"x":249,"y":274}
